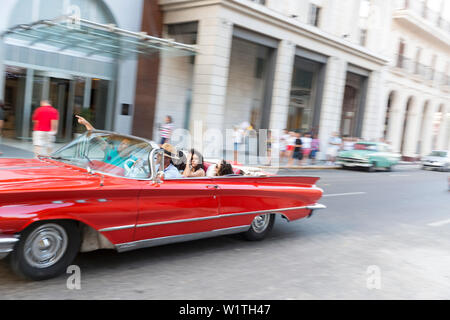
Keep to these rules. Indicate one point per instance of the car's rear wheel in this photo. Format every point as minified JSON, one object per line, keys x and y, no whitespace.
{"x":260,"y":227}
{"x":46,"y":249}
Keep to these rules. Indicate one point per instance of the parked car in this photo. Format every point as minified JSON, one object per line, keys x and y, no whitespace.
{"x":82,"y":199}
{"x":437,"y":159}
{"x":370,"y":155}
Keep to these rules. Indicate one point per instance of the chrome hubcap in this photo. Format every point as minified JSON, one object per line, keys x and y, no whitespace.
{"x":45,"y":246}
{"x":260,"y":223}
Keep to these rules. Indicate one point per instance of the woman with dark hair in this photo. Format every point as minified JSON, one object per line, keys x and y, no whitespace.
{"x":224,"y":168}
{"x":194,"y":166}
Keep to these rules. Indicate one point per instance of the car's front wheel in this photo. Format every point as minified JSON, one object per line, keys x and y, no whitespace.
{"x":260,"y":227}
{"x":46,"y":249}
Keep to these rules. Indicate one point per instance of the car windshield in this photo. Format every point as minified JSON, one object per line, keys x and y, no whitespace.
{"x":438,"y":154}
{"x":363,"y":146}
{"x":108,"y":153}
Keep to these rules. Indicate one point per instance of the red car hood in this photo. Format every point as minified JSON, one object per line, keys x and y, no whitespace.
{"x":42,"y":174}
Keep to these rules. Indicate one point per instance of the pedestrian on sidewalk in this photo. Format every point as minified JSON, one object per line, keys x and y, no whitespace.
{"x":290,"y":147}
{"x":315,"y":147}
{"x":238,"y":135}
{"x":297,"y":152}
{"x":270,"y":143}
{"x":166,"y":130}
{"x":283,"y":145}
{"x":334,"y":145}
{"x":45,"y":120}
{"x":2,"y":121}
{"x":306,"y":147}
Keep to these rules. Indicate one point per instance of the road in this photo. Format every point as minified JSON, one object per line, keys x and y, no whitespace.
{"x":384,"y":235}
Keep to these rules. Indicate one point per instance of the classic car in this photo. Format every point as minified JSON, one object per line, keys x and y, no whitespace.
{"x":437,"y":159}
{"x":79,"y":200}
{"x":370,"y":155}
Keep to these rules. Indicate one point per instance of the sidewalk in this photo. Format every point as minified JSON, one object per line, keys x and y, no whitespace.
{"x":14,"y":148}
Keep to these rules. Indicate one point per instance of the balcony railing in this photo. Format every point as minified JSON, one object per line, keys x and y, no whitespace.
{"x":426,"y":72}
{"x":421,"y":9}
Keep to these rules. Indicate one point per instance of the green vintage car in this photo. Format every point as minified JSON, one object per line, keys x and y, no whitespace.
{"x":370,"y":155}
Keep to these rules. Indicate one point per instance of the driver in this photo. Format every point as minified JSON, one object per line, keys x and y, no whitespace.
{"x":170,"y":171}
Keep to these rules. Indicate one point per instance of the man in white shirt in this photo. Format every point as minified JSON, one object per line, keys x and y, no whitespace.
{"x":306,"y":147}
{"x":170,"y":171}
{"x":334,"y":144}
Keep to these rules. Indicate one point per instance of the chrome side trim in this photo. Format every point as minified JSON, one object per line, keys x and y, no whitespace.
{"x":7,"y":244}
{"x":117,"y":228}
{"x":220,"y":216}
{"x":178,"y":238}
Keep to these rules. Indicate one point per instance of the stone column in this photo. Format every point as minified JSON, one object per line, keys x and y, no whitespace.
{"x":427,"y":131}
{"x":375,"y":110}
{"x":27,"y":112}
{"x":441,"y":139}
{"x":330,"y":115}
{"x":413,"y":128}
{"x":396,"y":120}
{"x":214,"y":40}
{"x":282,"y":85}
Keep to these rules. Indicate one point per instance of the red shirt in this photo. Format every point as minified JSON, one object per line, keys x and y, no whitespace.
{"x":43,"y":117}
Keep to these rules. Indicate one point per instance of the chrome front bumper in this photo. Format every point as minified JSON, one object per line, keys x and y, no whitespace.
{"x":7,"y":243}
{"x":354,"y":164}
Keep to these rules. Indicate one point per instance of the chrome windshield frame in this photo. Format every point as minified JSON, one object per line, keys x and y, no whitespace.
{"x":84,"y":138}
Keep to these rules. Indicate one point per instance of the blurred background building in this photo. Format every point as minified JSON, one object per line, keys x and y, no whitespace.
{"x":75,"y":83}
{"x":374,"y":69}
{"x":418,"y":82}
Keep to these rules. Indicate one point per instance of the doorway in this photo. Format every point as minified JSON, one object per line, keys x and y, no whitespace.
{"x":59,"y":99}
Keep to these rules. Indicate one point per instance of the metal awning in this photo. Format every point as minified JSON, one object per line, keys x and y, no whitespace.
{"x":89,"y":38}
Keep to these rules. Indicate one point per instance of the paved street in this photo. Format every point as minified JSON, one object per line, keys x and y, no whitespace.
{"x":391,"y":224}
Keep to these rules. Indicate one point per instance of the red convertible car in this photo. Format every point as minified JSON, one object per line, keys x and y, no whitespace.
{"x":81,"y":199}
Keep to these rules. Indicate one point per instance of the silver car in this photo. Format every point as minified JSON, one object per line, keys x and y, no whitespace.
{"x":437,"y":159}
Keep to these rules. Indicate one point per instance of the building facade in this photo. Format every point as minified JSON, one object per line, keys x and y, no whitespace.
{"x":308,"y":65}
{"x":97,"y":87}
{"x":321,"y":66}
{"x":418,"y":82}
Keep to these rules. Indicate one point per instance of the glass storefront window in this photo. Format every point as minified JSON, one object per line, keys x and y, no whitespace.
{"x":78,"y":100}
{"x":98,"y":105}
{"x":352,"y":106}
{"x":303,"y":95}
{"x":14,"y":95}
{"x":37,"y":95}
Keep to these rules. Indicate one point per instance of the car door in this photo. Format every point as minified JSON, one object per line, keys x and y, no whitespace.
{"x":176,"y":207}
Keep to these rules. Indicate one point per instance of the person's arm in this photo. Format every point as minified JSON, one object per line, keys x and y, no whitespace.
{"x":54,"y":126}
{"x":187,"y":170}
{"x":85,"y":123}
{"x":198,"y":173}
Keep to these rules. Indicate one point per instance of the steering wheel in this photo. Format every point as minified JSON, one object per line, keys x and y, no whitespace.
{"x":134,"y":167}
